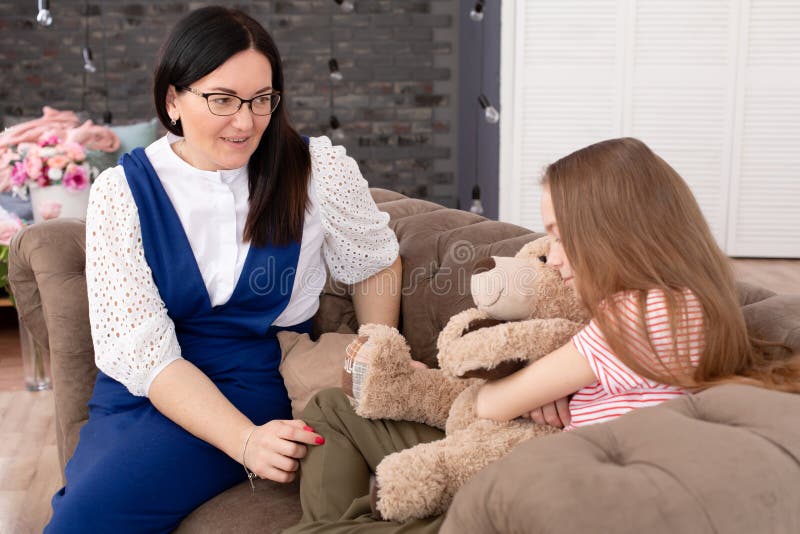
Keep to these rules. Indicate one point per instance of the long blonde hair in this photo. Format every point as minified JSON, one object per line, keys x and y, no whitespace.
{"x":629,"y":222}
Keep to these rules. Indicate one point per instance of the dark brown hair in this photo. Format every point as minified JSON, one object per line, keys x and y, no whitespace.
{"x":628,"y":222}
{"x":278,"y":170}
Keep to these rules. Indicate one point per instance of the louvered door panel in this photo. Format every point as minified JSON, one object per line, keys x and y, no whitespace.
{"x":567,"y":89}
{"x":765,"y":213}
{"x":683,"y":71}
{"x":713,"y":86}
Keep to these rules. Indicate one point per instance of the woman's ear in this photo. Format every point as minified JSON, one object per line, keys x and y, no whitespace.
{"x":172,"y":105}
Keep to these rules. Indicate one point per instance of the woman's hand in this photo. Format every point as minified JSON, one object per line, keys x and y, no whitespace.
{"x":554,"y":413}
{"x":273,"y":450}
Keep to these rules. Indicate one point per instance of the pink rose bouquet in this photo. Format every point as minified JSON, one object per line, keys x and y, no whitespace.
{"x":51,"y":161}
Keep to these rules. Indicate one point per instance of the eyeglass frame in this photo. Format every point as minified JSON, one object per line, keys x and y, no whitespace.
{"x":242,"y":101}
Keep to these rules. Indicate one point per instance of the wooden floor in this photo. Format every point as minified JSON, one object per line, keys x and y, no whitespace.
{"x":29,"y":470}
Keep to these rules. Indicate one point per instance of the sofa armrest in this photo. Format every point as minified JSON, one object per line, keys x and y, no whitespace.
{"x":47,"y":275}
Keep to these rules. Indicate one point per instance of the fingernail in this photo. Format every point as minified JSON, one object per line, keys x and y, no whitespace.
{"x":308,"y":428}
{"x":319,"y":440}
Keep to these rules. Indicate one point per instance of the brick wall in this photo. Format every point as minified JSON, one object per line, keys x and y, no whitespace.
{"x":397,"y":103}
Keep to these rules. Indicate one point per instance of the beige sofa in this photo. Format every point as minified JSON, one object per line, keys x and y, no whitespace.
{"x":726,"y":460}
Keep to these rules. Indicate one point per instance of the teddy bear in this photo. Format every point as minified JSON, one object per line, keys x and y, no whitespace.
{"x":524,"y":310}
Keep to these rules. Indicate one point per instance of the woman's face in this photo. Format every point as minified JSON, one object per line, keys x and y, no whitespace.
{"x":214,"y":142}
{"x":556,"y":258}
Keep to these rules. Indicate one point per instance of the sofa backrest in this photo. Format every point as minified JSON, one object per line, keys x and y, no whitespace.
{"x":439,"y":247}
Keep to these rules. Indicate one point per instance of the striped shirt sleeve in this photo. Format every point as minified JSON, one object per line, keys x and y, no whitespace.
{"x":613,"y":374}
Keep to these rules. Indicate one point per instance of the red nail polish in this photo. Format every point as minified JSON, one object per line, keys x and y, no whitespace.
{"x":319,"y":440}
{"x":308,"y":428}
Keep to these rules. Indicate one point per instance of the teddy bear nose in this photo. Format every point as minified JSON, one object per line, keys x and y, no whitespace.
{"x":481,"y":266}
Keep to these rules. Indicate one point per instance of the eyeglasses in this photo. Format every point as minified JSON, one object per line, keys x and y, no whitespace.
{"x":224,"y":104}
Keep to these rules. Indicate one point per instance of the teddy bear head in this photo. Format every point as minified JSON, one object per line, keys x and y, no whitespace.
{"x":524,"y":286}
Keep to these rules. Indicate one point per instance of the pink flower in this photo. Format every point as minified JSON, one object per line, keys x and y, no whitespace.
{"x":74,"y":151}
{"x":8,"y":229}
{"x":58,"y":161}
{"x":50,"y":210}
{"x":18,"y":174}
{"x":51,"y":140}
{"x":33,"y":166}
{"x":75,"y":178}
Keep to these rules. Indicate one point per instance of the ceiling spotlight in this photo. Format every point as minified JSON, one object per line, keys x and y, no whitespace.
{"x":336,"y":74}
{"x":346,"y":5}
{"x":477,"y":12}
{"x":88,"y":63}
{"x":491,"y":114}
{"x":43,"y":17}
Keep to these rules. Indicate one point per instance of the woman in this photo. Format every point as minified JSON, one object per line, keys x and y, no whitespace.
{"x":200,"y":248}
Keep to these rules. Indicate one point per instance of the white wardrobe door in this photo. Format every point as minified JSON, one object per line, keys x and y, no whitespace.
{"x":681,"y":100}
{"x":713,"y":86}
{"x":566,"y":91}
{"x":765,"y":211}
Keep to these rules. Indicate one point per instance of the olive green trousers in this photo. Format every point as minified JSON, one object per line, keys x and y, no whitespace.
{"x":334,"y":477}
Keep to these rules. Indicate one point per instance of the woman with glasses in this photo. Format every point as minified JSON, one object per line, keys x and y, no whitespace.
{"x":199,"y":249}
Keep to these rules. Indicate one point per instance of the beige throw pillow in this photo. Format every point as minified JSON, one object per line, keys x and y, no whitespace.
{"x":309,"y":366}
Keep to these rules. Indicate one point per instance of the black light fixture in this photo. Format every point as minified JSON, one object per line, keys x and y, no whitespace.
{"x":476,"y":206}
{"x":44,"y":18}
{"x":490,"y":113}
{"x":477,"y":12}
{"x":337,"y":134}
{"x":88,"y":60}
{"x":346,"y":5}
{"x":335,"y":74}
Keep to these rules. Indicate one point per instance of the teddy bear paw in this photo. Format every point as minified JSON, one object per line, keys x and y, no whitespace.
{"x":379,"y":354}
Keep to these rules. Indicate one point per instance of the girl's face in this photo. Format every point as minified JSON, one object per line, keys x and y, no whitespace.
{"x":214,"y":142}
{"x":556,"y":258}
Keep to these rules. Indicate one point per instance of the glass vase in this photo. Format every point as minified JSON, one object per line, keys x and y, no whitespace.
{"x":35,"y":363}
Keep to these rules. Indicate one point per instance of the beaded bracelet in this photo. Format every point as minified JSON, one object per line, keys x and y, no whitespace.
{"x":250,"y":474}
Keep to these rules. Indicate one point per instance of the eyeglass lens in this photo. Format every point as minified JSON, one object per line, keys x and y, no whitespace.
{"x":222,"y":104}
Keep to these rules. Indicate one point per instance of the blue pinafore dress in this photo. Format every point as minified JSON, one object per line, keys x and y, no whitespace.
{"x":134,"y":470}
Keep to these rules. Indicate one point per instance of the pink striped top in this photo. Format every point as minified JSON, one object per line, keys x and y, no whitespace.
{"x":618,"y":389}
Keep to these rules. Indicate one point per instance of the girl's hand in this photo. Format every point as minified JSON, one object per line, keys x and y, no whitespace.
{"x":554,"y":414}
{"x":274,"y":449}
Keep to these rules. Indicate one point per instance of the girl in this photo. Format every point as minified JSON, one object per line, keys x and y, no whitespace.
{"x":666,"y":316}
{"x":630,"y":237}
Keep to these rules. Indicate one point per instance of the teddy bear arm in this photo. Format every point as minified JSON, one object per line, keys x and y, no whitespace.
{"x":480,"y":353}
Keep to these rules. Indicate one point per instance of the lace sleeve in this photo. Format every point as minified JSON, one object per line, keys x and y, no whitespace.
{"x":134,"y":338}
{"x":358,"y":241}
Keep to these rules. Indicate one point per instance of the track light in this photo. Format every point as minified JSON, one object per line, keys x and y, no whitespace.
{"x":477,"y":12}
{"x":88,"y":62}
{"x":346,"y":5}
{"x":491,"y":114}
{"x":43,"y":17}
{"x":335,"y":74}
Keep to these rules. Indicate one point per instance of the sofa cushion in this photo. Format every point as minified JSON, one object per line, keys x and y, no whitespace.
{"x":271,"y":508}
{"x":724,"y":460}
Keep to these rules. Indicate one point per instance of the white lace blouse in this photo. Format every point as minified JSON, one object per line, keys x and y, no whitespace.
{"x":134,"y":338}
